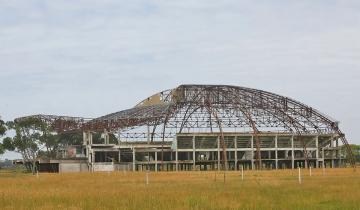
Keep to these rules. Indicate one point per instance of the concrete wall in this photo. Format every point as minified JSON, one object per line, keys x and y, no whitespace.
{"x":123,"y":167}
{"x":72,"y":167}
{"x":103,"y":167}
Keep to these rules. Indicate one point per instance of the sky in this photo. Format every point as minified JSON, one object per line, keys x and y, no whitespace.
{"x":93,"y":57}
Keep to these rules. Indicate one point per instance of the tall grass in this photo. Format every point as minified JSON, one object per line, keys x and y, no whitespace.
{"x":337,"y":189}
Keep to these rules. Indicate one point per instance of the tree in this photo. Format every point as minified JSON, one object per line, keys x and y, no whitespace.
{"x":2,"y":128}
{"x":73,"y":138}
{"x":29,"y":140}
{"x":50,"y":141}
{"x":355,"y":150}
{"x":2,"y":133}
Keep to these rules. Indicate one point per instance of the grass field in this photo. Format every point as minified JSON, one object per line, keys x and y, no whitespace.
{"x":337,"y":189}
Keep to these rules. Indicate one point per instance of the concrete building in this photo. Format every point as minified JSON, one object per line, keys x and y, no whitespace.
{"x":202,"y":151}
{"x":206,"y":127}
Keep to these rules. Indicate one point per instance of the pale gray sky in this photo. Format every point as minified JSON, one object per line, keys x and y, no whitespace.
{"x":89,"y":58}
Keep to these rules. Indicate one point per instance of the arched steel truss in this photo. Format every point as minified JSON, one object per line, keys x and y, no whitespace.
{"x":209,"y":108}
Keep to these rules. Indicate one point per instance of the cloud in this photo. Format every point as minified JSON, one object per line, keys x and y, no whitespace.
{"x":89,"y":54}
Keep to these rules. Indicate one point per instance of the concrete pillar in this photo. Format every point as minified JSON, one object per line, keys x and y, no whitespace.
{"x":105,"y":135}
{"x":85,"y":138}
{"x":93,"y":156}
{"x":193,"y":141}
{"x":323,"y":155}
{"x":119,"y":156}
{"x":276,"y":152}
{"x":119,"y":136}
{"x":90,"y":138}
{"x":332,"y":152}
{"x":252,"y":153}
{"x":317,"y":151}
{"x":92,"y":160}
{"x":218,"y":154}
{"x":236,"y":157}
{"x":176,"y":156}
{"x":156,"y":161}
{"x":337,"y":156}
{"x":292,"y":153}
{"x":107,"y":138}
{"x":340,"y":161}
{"x":88,"y":153}
{"x":134,"y":159}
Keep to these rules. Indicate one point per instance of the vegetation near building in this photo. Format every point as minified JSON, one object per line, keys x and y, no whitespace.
{"x":356,"y":151}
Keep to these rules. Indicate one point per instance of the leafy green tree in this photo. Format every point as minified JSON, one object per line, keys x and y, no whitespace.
{"x":29,"y":139}
{"x":50,"y":141}
{"x":2,"y":128}
{"x":73,"y":138}
{"x":36,"y":139}
{"x":2,"y":133}
{"x":355,"y":150}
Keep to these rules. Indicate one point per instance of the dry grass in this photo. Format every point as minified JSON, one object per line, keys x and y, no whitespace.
{"x":337,"y":189}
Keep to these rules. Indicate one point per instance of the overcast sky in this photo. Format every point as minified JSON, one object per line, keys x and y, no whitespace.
{"x":90,"y":58}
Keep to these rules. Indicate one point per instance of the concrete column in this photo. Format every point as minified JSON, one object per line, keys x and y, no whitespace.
{"x":156,"y":162}
{"x":93,"y":156}
{"x":337,"y":154}
{"x":317,"y":151}
{"x":92,"y":160}
{"x":305,"y":162}
{"x":323,"y":154}
{"x":176,"y":155}
{"x":340,"y":161}
{"x":85,"y":138}
{"x":134,"y":159}
{"x":119,"y":156}
{"x":252,"y":153}
{"x":119,"y":135}
{"x":236,"y":157}
{"x":276,"y":152}
{"x":332,"y":152}
{"x":107,"y":139}
{"x":193,"y":141}
{"x":90,"y":138}
{"x":88,"y":154}
{"x":218,"y":154}
{"x":105,"y":135}
{"x":292,"y":153}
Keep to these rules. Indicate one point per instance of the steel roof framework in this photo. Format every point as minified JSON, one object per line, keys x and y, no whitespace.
{"x":209,"y":108}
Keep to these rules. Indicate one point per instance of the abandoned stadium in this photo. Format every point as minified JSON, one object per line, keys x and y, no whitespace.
{"x":203,"y":127}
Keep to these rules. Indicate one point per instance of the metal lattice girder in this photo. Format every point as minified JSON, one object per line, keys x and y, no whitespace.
{"x":60,"y":123}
